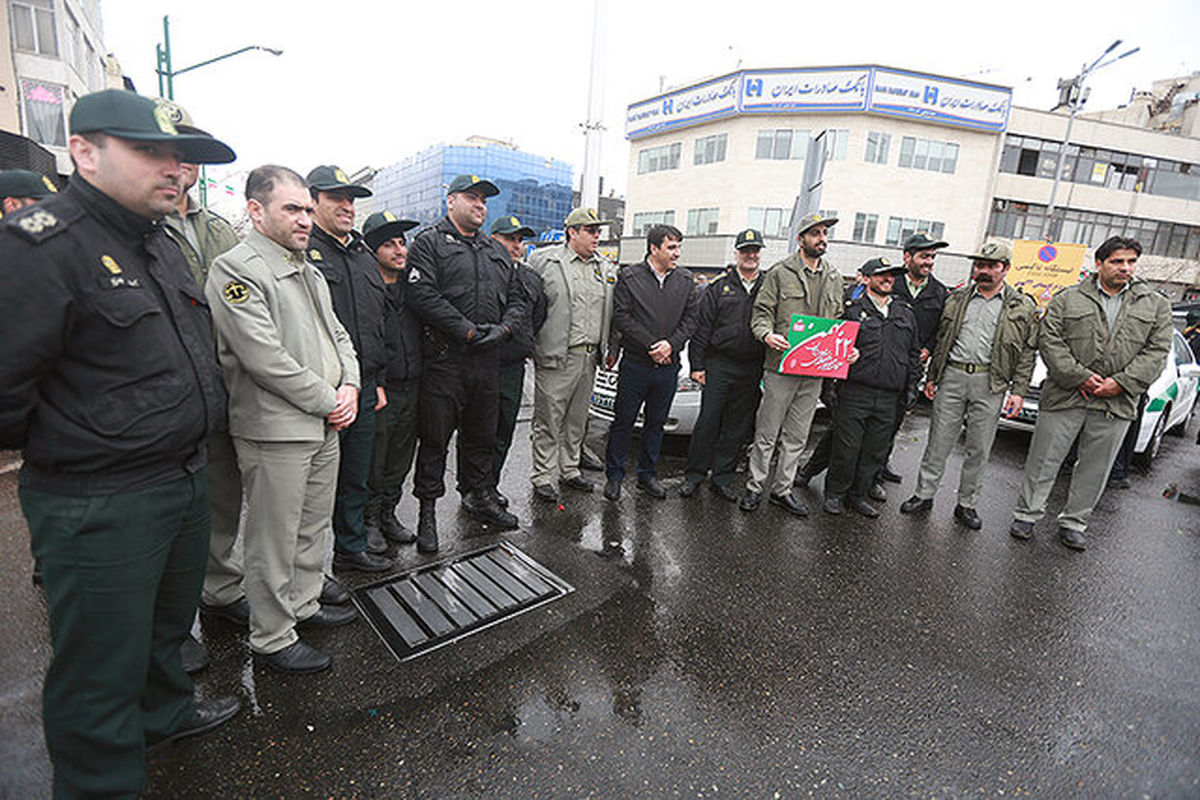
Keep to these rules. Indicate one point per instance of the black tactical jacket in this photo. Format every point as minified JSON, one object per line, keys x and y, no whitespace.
{"x":403,"y":335}
{"x":520,"y":345}
{"x":108,"y":376}
{"x":723,"y":323}
{"x":358,"y":297}
{"x":457,"y":282}
{"x":927,"y":307}
{"x":889,"y":350}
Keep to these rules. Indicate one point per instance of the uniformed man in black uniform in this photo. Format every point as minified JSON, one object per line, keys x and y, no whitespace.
{"x":462,"y":284}
{"x":885,"y":368}
{"x":109,"y":383}
{"x":359,"y":301}
{"x":20,"y":188}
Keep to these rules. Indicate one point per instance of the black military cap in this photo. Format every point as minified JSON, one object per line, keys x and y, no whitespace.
{"x":23,"y":183}
{"x":748,"y":238}
{"x":127,"y":115}
{"x":881,"y":266}
{"x":384,"y":225}
{"x":512,"y":226}
{"x":920,"y":241}
{"x":482,"y":185}
{"x":330,"y":178}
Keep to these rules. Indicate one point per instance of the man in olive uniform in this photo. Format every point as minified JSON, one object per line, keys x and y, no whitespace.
{"x":985,"y":347}
{"x":293,"y":385}
{"x":511,"y":355}
{"x":803,"y":283}
{"x":395,"y":423}
{"x":20,"y":188}
{"x":1104,"y":341}
{"x":359,"y":299}
{"x":570,"y":344}
{"x":726,"y":358}
{"x":462,"y":285}
{"x":109,"y":383}
{"x":885,"y":366}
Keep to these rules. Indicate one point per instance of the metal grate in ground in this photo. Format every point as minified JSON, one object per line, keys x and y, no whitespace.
{"x":436,"y":604}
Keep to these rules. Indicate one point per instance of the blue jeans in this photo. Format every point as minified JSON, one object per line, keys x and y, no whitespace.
{"x":639,"y":382}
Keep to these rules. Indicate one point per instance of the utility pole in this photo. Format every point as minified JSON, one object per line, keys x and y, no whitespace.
{"x":589,"y":181}
{"x":1073,"y":96}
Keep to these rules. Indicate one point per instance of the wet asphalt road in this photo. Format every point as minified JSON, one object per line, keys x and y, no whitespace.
{"x":707,"y":652}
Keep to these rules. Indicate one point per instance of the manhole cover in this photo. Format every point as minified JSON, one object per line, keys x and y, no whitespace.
{"x":440,"y":603}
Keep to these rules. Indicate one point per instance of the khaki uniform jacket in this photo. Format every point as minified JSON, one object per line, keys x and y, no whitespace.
{"x":269,"y":342}
{"x":1014,"y":346}
{"x":783,"y":294}
{"x":1075,"y":343}
{"x":550,"y":346}
{"x":214,"y":235}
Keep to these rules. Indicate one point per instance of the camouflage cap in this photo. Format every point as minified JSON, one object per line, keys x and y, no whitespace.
{"x":331,"y":178}
{"x":24,"y":183}
{"x":510,"y":225}
{"x":992,"y":251}
{"x":880,"y":266}
{"x":127,"y":115}
{"x":920,"y":241}
{"x":482,"y":185}
{"x":809,"y":221}
{"x":584,"y":216}
{"x":748,"y":238}
{"x":384,"y":225}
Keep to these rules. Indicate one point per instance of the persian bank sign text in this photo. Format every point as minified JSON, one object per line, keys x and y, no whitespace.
{"x":711,"y":100}
{"x":944,"y":100}
{"x":799,"y":90}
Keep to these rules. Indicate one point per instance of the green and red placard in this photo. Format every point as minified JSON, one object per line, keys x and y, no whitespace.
{"x":818,"y":347}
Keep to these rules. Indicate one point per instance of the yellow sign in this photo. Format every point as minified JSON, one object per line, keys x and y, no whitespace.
{"x":1040,"y":269}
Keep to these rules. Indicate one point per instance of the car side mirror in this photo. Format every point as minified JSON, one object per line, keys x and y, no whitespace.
{"x":1189,"y":370}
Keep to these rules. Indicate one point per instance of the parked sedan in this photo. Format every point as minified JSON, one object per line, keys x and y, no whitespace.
{"x":684,"y":409}
{"x":1170,"y":400}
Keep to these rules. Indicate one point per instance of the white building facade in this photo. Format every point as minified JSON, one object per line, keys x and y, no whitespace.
{"x":902,"y":152}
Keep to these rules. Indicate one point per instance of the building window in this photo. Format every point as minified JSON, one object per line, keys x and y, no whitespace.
{"x":864,"y":227}
{"x":43,"y":104}
{"x":900,"y":228}
{"x":644,"y":220}
{"x":836,"y":140}
{"x":781,"y":145}
{"x":657,"y":159}
{"x":771,"y":221}
{"x":33,"y":26}
{"x":928,"y":154}
{"x":702,"y":221}
{"x":877,"y":148}
{"x":710,"y":149}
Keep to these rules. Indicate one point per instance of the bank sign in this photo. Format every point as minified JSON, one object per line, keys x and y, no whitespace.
{"x":879,"y":90}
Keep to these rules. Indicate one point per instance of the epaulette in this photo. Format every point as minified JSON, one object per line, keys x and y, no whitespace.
{"x":36,"y":224}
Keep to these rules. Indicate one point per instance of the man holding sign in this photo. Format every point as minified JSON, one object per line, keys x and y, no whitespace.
{"x":803,"y":283}
{"x":886,"y":371}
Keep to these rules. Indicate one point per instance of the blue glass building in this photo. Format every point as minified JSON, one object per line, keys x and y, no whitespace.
{"x":533,"y":188}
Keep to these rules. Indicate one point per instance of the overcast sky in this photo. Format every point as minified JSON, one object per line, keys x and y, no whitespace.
{"x":367,"y":83}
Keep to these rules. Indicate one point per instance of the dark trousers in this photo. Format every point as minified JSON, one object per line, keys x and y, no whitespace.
{"x":512,"y":382}
{"x":458,"y":392}
{"x":639,"y":382}
{"x":862,"y":432}
{"x":394,"y":448}
{"x":357,"y":443}
{"x":818,"y":462}
{"x":122,"y":575}
{"x":726,"y":420}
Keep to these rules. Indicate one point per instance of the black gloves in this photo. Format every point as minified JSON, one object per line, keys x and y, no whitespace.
{"x":487,"y":334}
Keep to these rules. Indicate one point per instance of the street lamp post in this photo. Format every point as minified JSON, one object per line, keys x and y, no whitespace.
{"x":166,"y":78}
{"x":1073,"y":96}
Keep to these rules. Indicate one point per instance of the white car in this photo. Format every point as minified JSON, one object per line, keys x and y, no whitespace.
{"x":685,"y":408}
{"x":1170,"y":400}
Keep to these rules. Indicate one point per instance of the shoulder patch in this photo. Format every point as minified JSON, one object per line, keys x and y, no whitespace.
{"x":37,"y":222}
{"x":235,"y":293}
{"x":315,"y":255}
{"x":413,"y":275}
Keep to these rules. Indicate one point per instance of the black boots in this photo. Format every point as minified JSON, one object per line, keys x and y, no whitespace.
{"x":427,"y":538}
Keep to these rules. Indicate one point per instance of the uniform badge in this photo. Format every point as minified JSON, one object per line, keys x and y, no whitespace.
{"x":236,"y":292}
{"x":110,"y":264}
{"x":162,"y":116}
{"x":38,"y":221}
{"x":50,"y":187}
{"x":413,"y":275}
{"x":389,"y":216}
{"x":315,"y":254}
{"x":725,"y":290}
{"x":341,"y":176}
